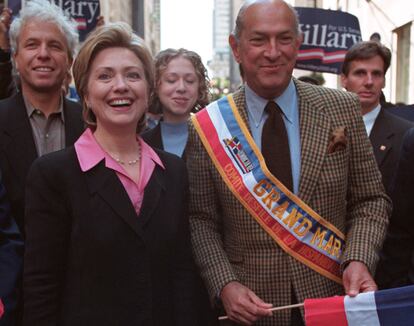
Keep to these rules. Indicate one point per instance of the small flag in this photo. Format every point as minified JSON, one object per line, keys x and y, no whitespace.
{"x":393,"y":307}
{"x":236,"y":150}
{"x":81,"y":23}
{"x":1,"y":308}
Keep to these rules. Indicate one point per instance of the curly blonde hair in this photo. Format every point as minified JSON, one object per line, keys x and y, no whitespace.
{"x":162,"y":59}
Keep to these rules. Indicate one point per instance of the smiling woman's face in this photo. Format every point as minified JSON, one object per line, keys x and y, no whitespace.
{"x":117,"y":91}
{"x":178,"y":90}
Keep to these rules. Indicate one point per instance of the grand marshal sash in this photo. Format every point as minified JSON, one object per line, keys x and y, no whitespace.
{"x":296,"y":228}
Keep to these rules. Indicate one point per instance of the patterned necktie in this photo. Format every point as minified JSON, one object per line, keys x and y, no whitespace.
{"x":275,"y":145}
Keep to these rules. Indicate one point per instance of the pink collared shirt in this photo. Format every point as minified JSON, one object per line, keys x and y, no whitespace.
{"x":90,"y":153}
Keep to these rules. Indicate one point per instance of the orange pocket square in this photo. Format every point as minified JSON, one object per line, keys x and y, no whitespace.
{"x":338,"y":140}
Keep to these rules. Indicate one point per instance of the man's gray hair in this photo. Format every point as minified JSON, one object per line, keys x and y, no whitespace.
{"x":44,"y":11}
{"x":238,"y":28}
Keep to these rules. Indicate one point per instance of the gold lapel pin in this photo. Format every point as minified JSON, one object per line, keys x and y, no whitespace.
{"x":382,"y":147}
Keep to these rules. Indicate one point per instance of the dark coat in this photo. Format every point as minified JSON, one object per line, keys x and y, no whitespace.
{"x":396,"y":266}
{"x":7,"y":85}
{"x":153,"y":137}
{"x":11,"y":257}
{"x":90,"y":260}
{"x":18,"y":149}
{"x":386,"y":139}
{"x":207,"y":315}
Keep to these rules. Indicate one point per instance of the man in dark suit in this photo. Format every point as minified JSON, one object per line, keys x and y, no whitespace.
{"x":11,"y":256}
{"x":326,"y":162}
{"x":363,"y":73}
{"x":405,"y":112}
{"x":396,"y":267}
{"x":38,"y":119}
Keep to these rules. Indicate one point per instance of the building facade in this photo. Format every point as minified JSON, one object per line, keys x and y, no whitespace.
{"x":142,"y":15}
{"x":235,"y":78}
{"x":393,"y":21}
{"x":114,"y":11}
{"x":220,"y":64}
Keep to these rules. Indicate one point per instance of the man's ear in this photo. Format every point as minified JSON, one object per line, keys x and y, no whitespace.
{"x":234,"y":44}
{"x":299,"y":40}
{"x":344,"y":80}
{"x":15,"y":61}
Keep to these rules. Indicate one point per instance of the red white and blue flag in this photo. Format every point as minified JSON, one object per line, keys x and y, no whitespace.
{"x":81,"y":23}
{"x":393,"y":307}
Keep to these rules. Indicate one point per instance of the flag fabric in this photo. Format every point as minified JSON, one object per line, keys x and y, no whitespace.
{"x":393,"y":307}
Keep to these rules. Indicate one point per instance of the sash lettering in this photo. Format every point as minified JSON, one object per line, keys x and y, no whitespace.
{"x":295,"y":227}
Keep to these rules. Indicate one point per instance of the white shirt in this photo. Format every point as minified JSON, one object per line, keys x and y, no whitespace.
{"x":370,"y":117}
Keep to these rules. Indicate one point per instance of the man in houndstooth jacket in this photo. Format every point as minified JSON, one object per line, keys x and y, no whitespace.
{"x":334,"y":172}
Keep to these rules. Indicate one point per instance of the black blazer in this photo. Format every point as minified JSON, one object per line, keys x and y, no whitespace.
{"x":396,"y":266}
{"x":90,"y":260}
{"x":386,"y":139}
{"x":206,"y":314}
{"x":153,"y":137}
{"x":18,"y":149}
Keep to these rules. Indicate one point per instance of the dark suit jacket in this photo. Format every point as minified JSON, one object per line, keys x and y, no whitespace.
{"x":386,"y":138}
{"x":204,"y":310}
{"x":7,"y":85}
{"x":153,"y":137}
{"x":18,"y":149}
{"x":90,"y":260}
{"x":396,"y":267}
{"x":11,"y":256}
{"x":404,"y":111}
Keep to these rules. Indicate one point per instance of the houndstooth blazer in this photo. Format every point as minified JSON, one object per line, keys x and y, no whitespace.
{"x":343,"y":186}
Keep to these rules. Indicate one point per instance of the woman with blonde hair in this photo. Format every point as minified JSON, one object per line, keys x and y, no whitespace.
{"x":181,"y":87}
{"x":107,"y":232}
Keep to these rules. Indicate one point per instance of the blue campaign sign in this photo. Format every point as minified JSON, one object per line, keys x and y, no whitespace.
{"x":84,"y":12}
{"x":15,"y":6}
{"x":327,"y":35}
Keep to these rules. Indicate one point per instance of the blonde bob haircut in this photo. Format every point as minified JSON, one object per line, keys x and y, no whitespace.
{"x":104,"y":37}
